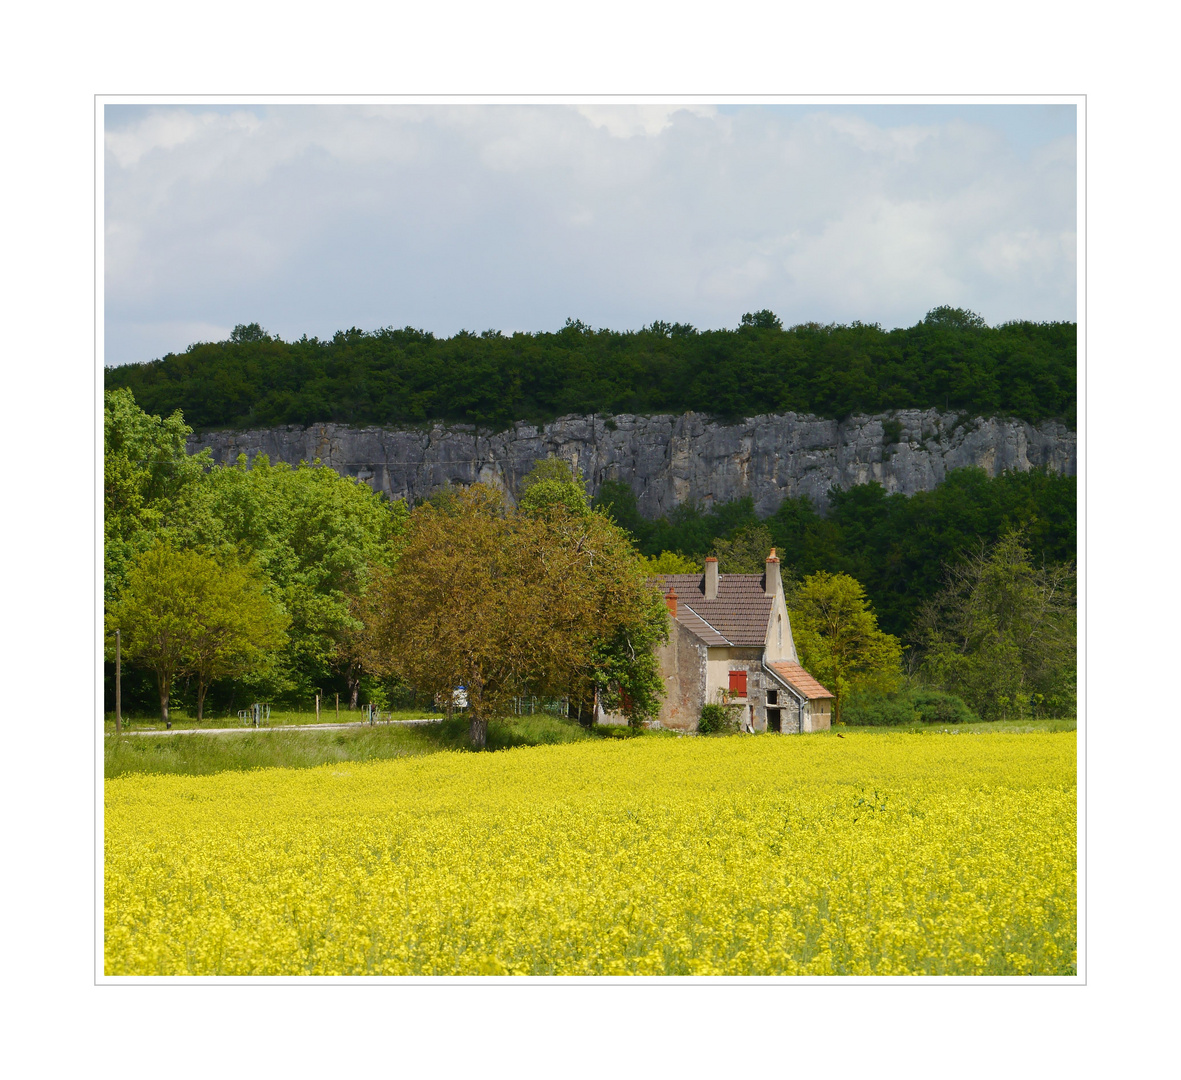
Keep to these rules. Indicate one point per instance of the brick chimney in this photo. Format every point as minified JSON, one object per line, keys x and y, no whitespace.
{"x":773,"y":583}
{"x":671,"y":600}
{"x":711,"y":578}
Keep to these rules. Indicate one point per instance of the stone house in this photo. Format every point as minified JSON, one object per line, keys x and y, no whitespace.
{"x":730,"y":639}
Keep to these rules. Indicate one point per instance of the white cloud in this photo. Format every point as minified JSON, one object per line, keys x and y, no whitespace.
{"x":628,"y":121}
{"x":314,"y":218}
{"x":167,"y":130}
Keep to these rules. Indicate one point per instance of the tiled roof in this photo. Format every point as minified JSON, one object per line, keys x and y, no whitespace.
{"x":698,"y":626}
{"x":796,"y":677}
{"x":738,"y":617}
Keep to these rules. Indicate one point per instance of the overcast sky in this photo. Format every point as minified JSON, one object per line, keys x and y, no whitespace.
{"x":315,"y":218}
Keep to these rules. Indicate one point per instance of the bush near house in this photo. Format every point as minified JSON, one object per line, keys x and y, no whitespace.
{"x":715,"y":719}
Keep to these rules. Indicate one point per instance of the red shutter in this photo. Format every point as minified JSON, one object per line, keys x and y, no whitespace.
{"x":738,"y":683}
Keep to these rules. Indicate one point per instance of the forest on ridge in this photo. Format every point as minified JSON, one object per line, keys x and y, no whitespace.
{"x":951,"y":360}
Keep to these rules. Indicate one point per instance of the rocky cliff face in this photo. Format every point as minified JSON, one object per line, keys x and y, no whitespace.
{"x":669,"y":460}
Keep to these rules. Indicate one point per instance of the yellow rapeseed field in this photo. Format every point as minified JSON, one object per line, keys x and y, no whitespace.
{"x":874,"y":854}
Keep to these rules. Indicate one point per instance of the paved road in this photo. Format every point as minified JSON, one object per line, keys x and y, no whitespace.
{"x":285,"y":727}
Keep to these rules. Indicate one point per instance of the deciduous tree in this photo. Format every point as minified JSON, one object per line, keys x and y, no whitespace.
{"x":181,"y":613}
{"x":745,"y":552}
{"x":839,"y":640}
{"x":239,"y":629}
{"x":1003,"y":631}
{"x":505,"y":603}
{"x":146,"y":467}
{"x":315,"y":535}
{"x":671,"y":562}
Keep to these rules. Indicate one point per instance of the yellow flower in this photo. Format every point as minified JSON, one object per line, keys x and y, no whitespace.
{"x":878,"y":854}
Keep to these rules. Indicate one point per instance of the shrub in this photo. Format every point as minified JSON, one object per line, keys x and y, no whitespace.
{"x":715,"y":718}
{"x":868,"y":709}
{"x":879,"y":710}
{"x":937,"y":707}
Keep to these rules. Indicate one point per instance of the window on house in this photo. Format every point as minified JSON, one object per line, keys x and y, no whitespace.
{"x":738,"y":683}
{"x":772,"y":697}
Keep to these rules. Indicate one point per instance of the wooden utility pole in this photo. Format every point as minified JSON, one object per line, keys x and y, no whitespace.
{"x":118,"y":687}
{"x":317,"y":707}
{"x":338,"y":706}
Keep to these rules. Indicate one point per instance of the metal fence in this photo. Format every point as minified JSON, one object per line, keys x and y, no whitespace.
{"x":527,"y":706}
{"x":256,"y":715}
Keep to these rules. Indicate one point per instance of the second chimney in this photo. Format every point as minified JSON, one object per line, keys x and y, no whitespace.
{"x":773,"y":583}
{"x":711,"y":578}
{"x":671,"y":600}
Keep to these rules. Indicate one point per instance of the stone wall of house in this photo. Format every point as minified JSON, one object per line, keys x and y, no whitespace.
{"x":818,"y":717}
{"x":683,"y":664}
{"x":670,"y":460}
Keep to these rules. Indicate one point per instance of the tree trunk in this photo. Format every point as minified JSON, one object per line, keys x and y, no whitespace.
{"x":354,"y":682}
{"x":202,"y":686}
{"x":162,"y":683}
{"x":479,"y":732}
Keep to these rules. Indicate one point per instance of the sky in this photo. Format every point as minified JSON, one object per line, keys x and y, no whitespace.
{"x":314,"y":218}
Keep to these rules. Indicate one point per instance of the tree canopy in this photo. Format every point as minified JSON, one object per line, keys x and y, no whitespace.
{"x":307,"y":534}
{"x":950,"y":360}
{"x":895,"y":545}
{"x":315,"y":535}
{"x":1002,"y":632}
{"x":146,"y":467}
{"x":181,"y":613}
{"x":838,"y":638}
{"x":510,"y":602}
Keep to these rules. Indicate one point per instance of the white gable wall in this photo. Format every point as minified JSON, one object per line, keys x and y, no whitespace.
{"x":780,"y":645}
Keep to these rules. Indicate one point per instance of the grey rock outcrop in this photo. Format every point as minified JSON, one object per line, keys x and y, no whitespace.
{"x":670,"y":460}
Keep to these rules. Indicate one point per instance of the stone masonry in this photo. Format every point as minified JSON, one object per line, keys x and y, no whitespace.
{"x":670,"y":460}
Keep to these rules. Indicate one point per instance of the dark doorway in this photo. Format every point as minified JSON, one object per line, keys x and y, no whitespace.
{"x":773,"y":723}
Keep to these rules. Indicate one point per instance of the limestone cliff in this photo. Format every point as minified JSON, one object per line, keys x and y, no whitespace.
{"x":669,"y":460}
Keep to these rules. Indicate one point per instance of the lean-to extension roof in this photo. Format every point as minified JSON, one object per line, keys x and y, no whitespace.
{"x":799,"y":680}
{"x":738,"y":617}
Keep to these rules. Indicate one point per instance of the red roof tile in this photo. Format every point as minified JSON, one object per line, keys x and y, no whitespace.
{"x":796,"y":677}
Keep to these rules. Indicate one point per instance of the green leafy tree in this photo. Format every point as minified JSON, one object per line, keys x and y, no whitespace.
{"x":896,"y":545}
{"x":670,"y":562}
{"x":146,"y":468}
{"x":763,"y":320}
{"x":950,"y":360}
{"x":181,"y":613}
{"x":240,"y":630}
{"x":551,"y":483}
{"x":505,"y":603}
{"x":746,"y":552}
{"x":314,"y":535}
{"x":838,"y":637}
{"x":1002,"y":633}
{"x":616,"y":499}
{"x":623,"y":671}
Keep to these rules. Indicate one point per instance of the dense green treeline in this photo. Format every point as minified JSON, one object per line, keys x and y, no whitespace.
{"x":311,"y":537}
{"x":950,"y":360}
{"x":975,"y":578}
{"x":895,"y":545}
